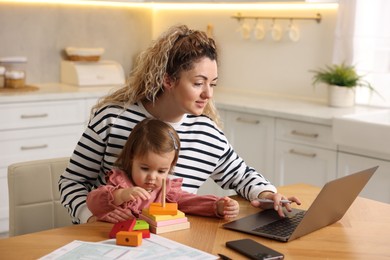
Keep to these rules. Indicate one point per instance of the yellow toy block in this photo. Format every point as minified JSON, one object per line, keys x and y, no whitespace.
{"x":129,"y":238}
{"x":160,"y":209}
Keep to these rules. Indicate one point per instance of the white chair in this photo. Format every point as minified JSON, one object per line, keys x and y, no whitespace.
{"x":34,"y":197}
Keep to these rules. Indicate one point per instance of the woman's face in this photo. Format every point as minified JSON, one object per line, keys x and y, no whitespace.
{"x":194,"y":88}
{"x":149,"y":170}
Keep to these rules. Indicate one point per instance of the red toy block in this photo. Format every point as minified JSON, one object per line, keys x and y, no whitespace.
{"x":159,"y":209}
{"x":129,"y":238}
{"x":145,"y":233}
{"x":127,"y":225}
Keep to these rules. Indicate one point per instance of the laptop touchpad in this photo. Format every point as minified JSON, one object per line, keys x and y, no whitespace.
{"x":267,"y":216}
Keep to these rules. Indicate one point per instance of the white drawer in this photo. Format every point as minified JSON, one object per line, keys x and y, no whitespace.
{"x":89,"y":103}
{"x":305,"y":133}
{"x":39,"y":114}
{"x":35,"y":144}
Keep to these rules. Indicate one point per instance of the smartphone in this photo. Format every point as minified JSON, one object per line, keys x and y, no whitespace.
{"x":254,"y":250}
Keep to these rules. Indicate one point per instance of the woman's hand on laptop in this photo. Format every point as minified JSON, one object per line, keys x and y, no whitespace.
{"x":268,"y":200}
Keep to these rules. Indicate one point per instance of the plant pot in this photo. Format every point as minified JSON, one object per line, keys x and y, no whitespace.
{"x":341,"y":96}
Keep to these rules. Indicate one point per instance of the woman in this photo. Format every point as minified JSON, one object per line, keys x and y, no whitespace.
{"x":173,"y":81}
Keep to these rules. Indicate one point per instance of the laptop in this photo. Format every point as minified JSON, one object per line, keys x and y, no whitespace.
{"x":329,"y":206}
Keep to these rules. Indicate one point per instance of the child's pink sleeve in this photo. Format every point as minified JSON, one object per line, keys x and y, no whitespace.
{"x":101,"y":200}
{"x":189,"y":203}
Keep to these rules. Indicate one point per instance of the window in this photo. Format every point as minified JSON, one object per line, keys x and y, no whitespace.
{"x":362,"y":38}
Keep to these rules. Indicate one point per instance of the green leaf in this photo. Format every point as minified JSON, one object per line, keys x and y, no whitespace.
{"x":341,"y":75}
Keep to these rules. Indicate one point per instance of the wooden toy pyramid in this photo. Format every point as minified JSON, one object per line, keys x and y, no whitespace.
{"x":164,"y":217}
{"x":158,"y":218}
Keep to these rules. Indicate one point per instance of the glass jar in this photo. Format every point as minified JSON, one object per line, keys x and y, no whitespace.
{"x":15,"y":71}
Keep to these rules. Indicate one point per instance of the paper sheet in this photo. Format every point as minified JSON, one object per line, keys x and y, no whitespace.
{"x":151,"y":248}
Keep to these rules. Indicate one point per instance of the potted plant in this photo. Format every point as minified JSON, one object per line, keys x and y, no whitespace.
{"x":341,"y":80}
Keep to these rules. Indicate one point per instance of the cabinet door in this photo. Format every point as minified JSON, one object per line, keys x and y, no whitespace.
{"x":378,"y":186}
{"x":303,"y":164}
{"x":209,"y":186}
{"x":252,"y":137}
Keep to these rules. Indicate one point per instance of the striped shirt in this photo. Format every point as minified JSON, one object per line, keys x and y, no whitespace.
{"x":205,"y":152}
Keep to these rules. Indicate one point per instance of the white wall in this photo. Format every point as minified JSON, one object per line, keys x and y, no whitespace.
{"x":42,"y":31}
{"x":266,"y":66}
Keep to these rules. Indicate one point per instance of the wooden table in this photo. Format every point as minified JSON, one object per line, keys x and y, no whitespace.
{"x":363,"y":233}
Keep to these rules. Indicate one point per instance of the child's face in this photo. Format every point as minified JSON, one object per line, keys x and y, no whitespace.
{"x":148,"y":171}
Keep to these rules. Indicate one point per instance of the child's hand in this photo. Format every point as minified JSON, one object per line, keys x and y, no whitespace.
{"x":228,"y":208}
{"x":130,"y":194}
{"x":115,"y":216}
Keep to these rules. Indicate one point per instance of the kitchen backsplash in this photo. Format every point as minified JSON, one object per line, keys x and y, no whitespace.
{"x":41,"y":32}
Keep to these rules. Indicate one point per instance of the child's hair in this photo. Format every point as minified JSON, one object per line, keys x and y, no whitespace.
{"x":149,"y":135}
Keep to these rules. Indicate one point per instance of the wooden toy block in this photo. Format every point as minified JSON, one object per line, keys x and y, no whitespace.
{"x":160,"y":223}
{"x":145,"y":233}
{"x":163,"y":208}
{"x":129,"y":238}
{"x":140,"y":225}
{"x":158,"y":209}
{"x":170,"y":228}
{"x":127,"y":225}
{"x":145,"y":211}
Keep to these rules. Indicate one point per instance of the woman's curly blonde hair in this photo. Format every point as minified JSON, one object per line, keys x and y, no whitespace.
{"x":174,"y":51}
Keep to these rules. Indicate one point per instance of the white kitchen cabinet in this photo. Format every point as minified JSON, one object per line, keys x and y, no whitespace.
{"x":378,"y":188}
{"x":89,"y":103}
{"x":304,"y":153}
{"x":252,"y":137}
{"x":209,"y":186}
{"x":303,"y":164}
{"x":37,"y":130}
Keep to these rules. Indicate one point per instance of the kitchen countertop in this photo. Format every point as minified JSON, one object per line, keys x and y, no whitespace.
{"x":312,"y":111}
{"x":54,"y":91}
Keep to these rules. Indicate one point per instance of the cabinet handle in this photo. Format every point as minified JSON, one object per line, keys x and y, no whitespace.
{"x":34,"y":116}
{"x":248,"y":121}
{"x":311,"y":135}
{"x":311,"y":155}
{"x":43,"y":146}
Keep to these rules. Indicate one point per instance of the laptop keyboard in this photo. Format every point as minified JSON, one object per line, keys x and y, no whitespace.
{"x":283,"y":227}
